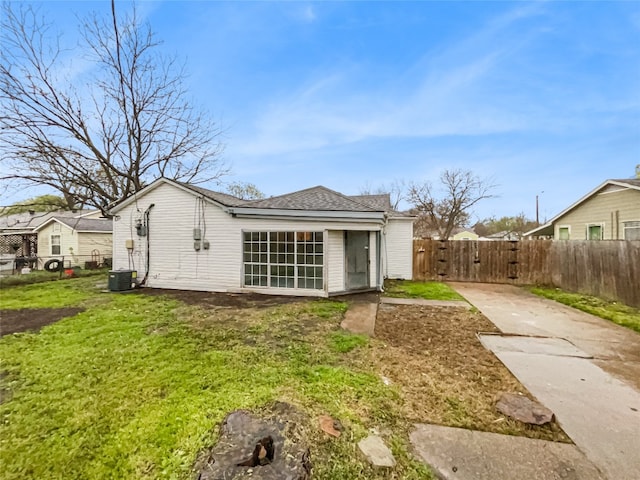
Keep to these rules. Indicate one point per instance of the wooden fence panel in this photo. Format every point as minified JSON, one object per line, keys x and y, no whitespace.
{"x":608,"y":268}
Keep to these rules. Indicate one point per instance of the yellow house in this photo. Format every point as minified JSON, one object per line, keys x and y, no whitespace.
{"x":75,"y":241}
{"x":465,"y":235}
{"x":609,"y":212}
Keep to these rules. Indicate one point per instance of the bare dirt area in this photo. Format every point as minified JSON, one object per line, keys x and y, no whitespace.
{"x":213,"y":299}
{"x":444,"y":373}
{"x":33,"y":319}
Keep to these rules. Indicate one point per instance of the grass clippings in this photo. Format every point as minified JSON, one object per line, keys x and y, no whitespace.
{"x":615,"y":312}
{"x":445,"y":375}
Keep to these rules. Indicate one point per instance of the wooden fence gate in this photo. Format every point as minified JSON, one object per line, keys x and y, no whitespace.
{"x":606,"y":268}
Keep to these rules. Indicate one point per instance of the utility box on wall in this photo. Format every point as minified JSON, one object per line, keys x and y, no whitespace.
{"x":121,"y":280}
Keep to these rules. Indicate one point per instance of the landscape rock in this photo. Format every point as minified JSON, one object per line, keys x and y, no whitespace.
{"x":523,"y":409}
{"x":271,"y":447}
{"x":330,"y":426}
{"x":377,"y":452}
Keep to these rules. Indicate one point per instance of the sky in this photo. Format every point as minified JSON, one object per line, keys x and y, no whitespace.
{"x":540,"y":98}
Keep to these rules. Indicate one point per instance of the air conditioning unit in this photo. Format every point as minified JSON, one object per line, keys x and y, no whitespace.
{"x":121,"y":280}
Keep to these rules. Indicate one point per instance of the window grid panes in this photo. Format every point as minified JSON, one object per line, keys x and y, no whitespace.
{"x":55,"y":244}
{"x":283,"y":259}
{"x":632,"y":230}
{"x":594,"y":232}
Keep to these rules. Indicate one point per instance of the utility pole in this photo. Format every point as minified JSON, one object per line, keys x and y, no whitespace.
{"x":538,"y":210}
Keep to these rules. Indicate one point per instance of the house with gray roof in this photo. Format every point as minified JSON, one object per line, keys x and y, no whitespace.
{"x":75,"y":241}
{"x":313,"y":242}
{"x":611,"y":211}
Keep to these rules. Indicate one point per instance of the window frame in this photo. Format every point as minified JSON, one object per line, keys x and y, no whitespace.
{"x":633,"y":227}
{"x":568,"y":228}
{"x":289,"y":259}
{"x":52,"y":244}
{"x":600,"y":225}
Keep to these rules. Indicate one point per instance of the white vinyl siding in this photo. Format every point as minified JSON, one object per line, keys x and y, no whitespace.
{"x":175,"y":264}
{"x":399,"y":249}
{"x":334,"y":259}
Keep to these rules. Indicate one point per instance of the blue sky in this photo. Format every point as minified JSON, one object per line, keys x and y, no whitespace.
{"x":542,"y":97}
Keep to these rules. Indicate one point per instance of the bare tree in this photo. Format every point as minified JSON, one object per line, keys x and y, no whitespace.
{"x":460,"y":190}
{"x":395,"y":189}
{"x":97,"y":143}
{"x":245,"y":191}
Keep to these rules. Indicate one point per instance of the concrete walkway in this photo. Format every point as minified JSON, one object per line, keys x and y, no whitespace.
{"x":585,"y":369}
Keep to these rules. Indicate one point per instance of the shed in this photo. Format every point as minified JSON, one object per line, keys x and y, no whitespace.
{"x":313,"y":242}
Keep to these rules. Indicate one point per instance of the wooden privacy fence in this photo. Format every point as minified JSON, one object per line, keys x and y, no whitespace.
{"x":606,"y":268}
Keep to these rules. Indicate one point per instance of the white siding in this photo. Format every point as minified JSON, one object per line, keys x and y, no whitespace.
{"x":398,"y":249}
{"x":335,"y":260}
{"x":175,"y":264}
{"x":68,"y":243}
{"x":373,"y":264}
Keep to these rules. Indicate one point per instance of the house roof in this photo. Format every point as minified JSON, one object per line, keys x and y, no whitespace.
{"x":315,"y":198}
{"x":547,"y":228}
{"x":380,"y":201}
{"x":27,"y":222}
{"x":92,"y":225}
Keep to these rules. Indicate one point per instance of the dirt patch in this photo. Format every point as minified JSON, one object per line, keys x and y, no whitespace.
{"x":445,"y":374}
{"x":214,"y":299}
{"x":15,"y":321}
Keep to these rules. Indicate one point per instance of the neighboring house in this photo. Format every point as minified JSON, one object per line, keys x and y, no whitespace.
{"x":465,"y":235}
{"x":503,"y":235}
{"x":19,"y":238}
{"x":609,"y":212}
{"x":314,"y":242}
{"x":76,"y":241}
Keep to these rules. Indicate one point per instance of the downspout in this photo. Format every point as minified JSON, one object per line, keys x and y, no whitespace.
{"x":146,"y":224}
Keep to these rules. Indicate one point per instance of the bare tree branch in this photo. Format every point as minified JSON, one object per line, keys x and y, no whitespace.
{"x":461,"y":190}
{"x":98,"y":143}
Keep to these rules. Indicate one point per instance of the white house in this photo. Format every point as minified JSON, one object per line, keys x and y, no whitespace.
{"x":75,"y":241}
{"x":314,"y":242}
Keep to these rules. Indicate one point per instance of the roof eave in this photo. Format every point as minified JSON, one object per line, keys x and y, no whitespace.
{"x":305,"y":214}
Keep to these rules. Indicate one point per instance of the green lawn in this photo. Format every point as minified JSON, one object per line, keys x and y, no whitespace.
{"x":425,"y":290}
{"x":134,"y":386}
{"x":616,"y":312}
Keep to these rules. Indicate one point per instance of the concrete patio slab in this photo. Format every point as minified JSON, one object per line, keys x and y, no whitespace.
{"x":599,"y":411}
{"x":360,"y":318}
{"x":459,"y":454}
{"x":422,"y":301}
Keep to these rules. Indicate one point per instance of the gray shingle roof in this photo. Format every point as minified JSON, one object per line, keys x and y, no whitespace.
{"x":222,"y":198}
{"x":87,"y":224}
{"x":314,"y":198}
{"x":27,"y":221}
{"x":378,"y":202}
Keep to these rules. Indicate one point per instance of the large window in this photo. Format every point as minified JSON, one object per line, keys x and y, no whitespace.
{"x":55,"y":244}
{"x":283,"y":259}
{"x":632,"y":230}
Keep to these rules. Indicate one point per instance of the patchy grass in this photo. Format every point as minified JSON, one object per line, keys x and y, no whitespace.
{"x":426,"y":290}
{"x":614,"y":311}
{"x":64,"y":293}
{"x":133,"y":386}
{"x":41,"y":276}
